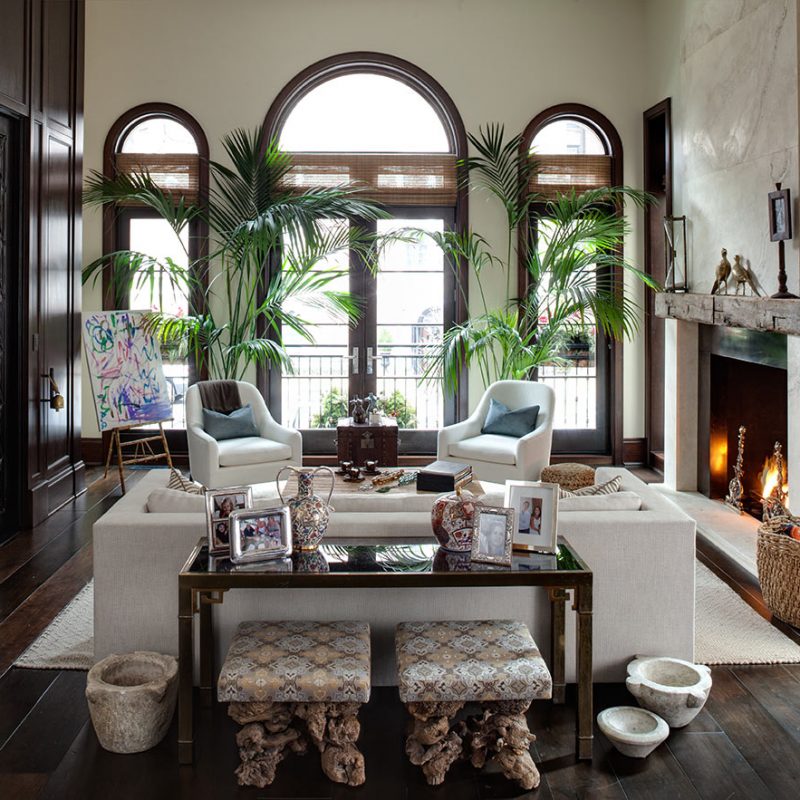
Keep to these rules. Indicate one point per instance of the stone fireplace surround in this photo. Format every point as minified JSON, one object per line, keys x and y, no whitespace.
{"x":684,"y":314}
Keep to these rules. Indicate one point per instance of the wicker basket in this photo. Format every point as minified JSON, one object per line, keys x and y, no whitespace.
{"x":779,"y":573}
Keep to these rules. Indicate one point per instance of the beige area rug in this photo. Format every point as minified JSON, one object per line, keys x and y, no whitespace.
{"x":67,"y":642}
{"x":727,"y":631}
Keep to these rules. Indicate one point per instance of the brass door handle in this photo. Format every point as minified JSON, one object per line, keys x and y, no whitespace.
{"x":56,"y":399}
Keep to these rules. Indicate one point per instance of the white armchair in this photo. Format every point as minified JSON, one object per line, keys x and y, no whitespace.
{"x":250,"y":459}
{"x":500,"y":458}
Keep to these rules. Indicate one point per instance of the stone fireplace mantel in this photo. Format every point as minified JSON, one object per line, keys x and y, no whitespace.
{"x":755,"y":313}
{"x":684,"y":314}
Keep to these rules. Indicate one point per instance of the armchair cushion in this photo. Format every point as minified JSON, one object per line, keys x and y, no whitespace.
{"x":235,"y":425}
{"x":486,"y":447}
{"x":251,"y":450}
{"x":501,"y":420}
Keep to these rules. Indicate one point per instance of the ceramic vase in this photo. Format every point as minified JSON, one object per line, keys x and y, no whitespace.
{"x":451,"y":519}
{"x":310,"y":513}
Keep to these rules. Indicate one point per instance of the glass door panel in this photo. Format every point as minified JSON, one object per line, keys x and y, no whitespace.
{"x":410,"y":318}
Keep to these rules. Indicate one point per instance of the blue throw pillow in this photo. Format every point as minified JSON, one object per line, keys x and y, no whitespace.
{"x":235,"y":425}
{"x":504,"y":422}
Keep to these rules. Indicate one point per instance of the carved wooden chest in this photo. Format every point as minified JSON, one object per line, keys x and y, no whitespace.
{"x":360,"y":443}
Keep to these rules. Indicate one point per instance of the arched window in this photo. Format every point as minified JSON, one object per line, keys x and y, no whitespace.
{"x":168,"y":144}
{"x":383,"y":125}
{"x":576,"y":149}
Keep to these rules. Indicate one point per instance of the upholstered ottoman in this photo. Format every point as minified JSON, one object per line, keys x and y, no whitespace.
{"x":288,"y":682}
{"x":443,"y":665}
{"x":569,"y":476}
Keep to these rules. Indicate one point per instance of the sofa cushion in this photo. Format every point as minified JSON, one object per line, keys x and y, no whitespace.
{"x":502,"y":421}
{"x":609,"y":487}
{"x":178,"y":481}
{"x":618,"y":501}
{"x":486,"y":447}
{"x":251,"y":450}
{"x":174,"y":501}
{"x":236,"y":425}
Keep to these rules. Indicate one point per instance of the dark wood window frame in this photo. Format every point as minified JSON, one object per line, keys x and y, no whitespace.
{"x":114,"y":218}
{"x":430,"y":89}
{"x":603,"y":127}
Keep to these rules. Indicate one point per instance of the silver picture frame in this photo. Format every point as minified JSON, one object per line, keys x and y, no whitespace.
{"x":260,"y":534}
{"x":217,"y":516}
{"x":492,"y":534}
{"x":535,"y":506}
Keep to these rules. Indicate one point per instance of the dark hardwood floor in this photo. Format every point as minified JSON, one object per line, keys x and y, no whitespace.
{"x":744,"y":744}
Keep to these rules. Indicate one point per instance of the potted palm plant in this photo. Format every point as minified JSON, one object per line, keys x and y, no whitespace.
{"x":240,"y":301}
{"x":572,"y":259}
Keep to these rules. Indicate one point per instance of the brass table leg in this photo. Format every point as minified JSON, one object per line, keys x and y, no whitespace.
{"x":558,"y":598}
{"x":206,"y":650}
{"x":185,"y":664}
{"x":583,"y":605}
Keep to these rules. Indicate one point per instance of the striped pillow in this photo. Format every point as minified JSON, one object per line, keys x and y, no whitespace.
{"x":183,"y":484}
{"x":609,"y":487}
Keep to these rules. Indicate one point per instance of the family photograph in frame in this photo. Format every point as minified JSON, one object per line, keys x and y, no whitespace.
{"x":492,"y":533}
{"x":260,"y":534}
{"x":535,"y":506}
{"x":220,"y":504}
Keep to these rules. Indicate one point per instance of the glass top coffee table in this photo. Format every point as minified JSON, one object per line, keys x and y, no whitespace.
{"x":203,"y":582}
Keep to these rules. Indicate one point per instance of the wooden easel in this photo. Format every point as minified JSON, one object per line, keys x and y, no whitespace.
{"x":142,"y":453}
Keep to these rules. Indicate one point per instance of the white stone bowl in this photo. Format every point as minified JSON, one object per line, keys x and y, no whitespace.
{"x":635,"y":732}
{"x":132,"y":699}
{"x":674,"y":689}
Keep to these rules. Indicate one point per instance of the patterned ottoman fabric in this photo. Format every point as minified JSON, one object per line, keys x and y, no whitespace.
{"x":469,"y":661}
{"x":297,"y":662}
{"x":569,"y":476}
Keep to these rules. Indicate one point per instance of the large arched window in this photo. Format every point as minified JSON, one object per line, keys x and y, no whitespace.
{"x":168,"y":144}
{"x":385,"y":126}
{"x":576,"y":148}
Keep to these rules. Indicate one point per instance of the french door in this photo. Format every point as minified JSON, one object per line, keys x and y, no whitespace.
{"x":406,"y":306}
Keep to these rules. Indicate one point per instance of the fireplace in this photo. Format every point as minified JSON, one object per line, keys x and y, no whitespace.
{"x":742,"y":381}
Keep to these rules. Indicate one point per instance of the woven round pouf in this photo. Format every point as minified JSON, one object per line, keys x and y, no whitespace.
{"x":569,"y":476}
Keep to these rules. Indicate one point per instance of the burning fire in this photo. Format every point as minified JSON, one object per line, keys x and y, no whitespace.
{"x":769,"y":480}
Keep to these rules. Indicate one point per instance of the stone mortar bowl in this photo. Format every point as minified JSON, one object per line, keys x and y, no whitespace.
{"x":635,"y":732}
{"x":676,"y":690}
{"x":132,"y":699}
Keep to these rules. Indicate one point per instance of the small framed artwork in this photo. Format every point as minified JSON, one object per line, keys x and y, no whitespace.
{"x":492,"y":532}
{"x":260,"y":534}
{"x":535,"y":507}
{"x":780,"y":215}
{"x":220,"y":504}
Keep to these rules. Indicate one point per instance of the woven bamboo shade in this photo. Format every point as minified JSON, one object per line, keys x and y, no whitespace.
{"x":559,"y":173}
{"x":178,"y":173}
{"x":392,"y":178}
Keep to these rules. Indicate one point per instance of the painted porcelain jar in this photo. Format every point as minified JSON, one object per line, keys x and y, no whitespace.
{"x":451,"y":519}
{"x":310,"y":513}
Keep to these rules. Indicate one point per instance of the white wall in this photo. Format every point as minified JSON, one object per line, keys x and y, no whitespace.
{"x":505,"y":60}
{"x":730,"y":67}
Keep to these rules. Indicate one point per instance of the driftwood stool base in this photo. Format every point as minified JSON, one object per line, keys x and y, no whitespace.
{"x":270,"y":731}
{"x":294,"y":684}
{"x":494,"y":664}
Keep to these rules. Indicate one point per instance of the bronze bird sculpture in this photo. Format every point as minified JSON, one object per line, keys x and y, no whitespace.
{"x":742,"y":277}
{"x":723,"y":273}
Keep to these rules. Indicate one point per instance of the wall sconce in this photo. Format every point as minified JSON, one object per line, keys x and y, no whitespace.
{"x":675,"y":254}
{"x":56,"y":399}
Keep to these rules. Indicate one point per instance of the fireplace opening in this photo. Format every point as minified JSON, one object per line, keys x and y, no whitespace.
{"x":745,"y":380}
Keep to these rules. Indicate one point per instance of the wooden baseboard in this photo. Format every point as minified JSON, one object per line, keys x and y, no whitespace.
{"x":634,"y":451}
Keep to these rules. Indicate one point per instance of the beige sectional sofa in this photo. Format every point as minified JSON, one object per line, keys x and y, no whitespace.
{"x":643,"y":564}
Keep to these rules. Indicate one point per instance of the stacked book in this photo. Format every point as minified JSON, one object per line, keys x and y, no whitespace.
{"x":443,"y":476}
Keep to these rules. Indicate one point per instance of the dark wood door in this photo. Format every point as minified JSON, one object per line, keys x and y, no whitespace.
{"x":10,"y":196}
{"x":657,"y":181}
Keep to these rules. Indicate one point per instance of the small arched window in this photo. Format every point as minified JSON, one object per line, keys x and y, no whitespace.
{"x":576,"y":149}
{"x":167,"y":144}
{"x":382,"y":125}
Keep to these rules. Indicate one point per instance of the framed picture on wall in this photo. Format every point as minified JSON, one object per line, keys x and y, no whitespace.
{"x":780,"y":215}
{"x":535,"y":507}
